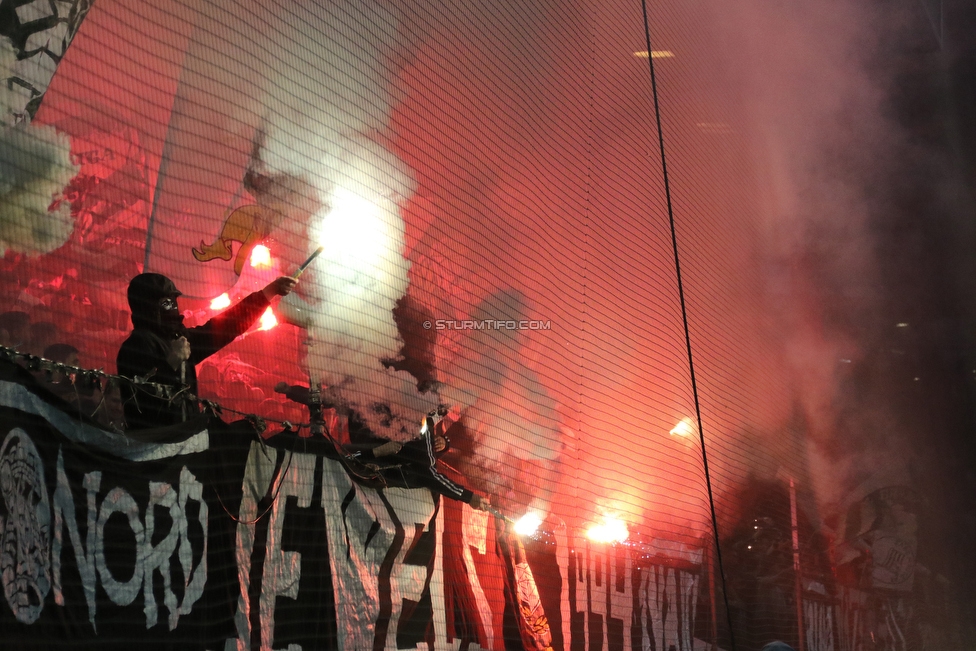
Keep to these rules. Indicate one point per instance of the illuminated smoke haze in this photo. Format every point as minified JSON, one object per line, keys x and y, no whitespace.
{"x":817,"y":86}
{"x":509,"y":149}
{"x":495,"y":126}
{"x":538,"y":169}
{"x":509,"y":415}
{"x":329,"y":98}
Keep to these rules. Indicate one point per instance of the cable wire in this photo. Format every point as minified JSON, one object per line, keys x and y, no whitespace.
{"x":684,"y":319}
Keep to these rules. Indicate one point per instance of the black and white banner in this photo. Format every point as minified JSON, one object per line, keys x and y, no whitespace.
{"x":36,"y":34}
{"x":213,"y":539}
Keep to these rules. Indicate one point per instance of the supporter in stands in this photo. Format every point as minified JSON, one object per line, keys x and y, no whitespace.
{"x":83,"y":398}
{"x":61,"y":353}
{"x":417,"y":460}
{"x":164,"y":350}
{"x":15,"y":330}
{"x":413,"y":462}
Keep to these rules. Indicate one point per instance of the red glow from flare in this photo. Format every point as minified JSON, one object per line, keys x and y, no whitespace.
{"x":611,"y":530}
{"x":268,"y":320}
{"x":220,"y":302}
{"x":260,"y":256}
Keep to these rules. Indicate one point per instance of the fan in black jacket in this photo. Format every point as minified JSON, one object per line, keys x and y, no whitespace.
{"x":162,"y":348}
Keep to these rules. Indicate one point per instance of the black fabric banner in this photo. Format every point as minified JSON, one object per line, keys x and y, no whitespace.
{"x":94,"y":544}
{"x":207,"y":537}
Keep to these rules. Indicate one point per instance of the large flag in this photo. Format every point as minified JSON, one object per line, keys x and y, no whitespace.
{"x":277,"y":124}
{"x":38,"y":34}
{"x":209,"y":142}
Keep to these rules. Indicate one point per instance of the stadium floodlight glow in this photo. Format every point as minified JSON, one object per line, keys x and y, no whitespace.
{"x":611,"y":530}
{"x":528,"y":524}
{"x":655,"y":54}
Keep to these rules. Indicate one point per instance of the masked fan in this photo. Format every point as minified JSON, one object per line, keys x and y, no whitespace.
{"x":162,"y":350}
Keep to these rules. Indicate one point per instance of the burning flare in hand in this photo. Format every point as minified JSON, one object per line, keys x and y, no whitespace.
{"x":611,"y":530}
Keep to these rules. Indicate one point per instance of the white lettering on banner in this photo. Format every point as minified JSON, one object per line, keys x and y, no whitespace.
{"x":474,"y":533}
{"x":354,"y":556}
{"x":37,"y":10}
{"x":414,"y":510}
{"x":283,"y":569}
{"x":621,"y":601}
{"x":359,"y":535}
{"x":663,"y":621}
{"x":599,"y":598}
{"x":605,"y":599}
{"x":688,"y":607}
{"x":121,"y":593}
{"x":580,"y":583}
{"x":148,"y":558}
{"x":43,"y":49}
{"x":64,"y":7}
{"x":369,"y":533}
{"x":658,"y":600}
{"x":818,"y":621}
{"x":157,"y":556}
{"x":64,"y":515}
{"x":562,"y":562}
{"x":195,"y":578}
{"x":649,"y":612}
{"x":363,"y":535}
{"x":258,"y":474}
{"x":437,"y":586}
{"x":50,"y":39}
{"x":667,"y":599}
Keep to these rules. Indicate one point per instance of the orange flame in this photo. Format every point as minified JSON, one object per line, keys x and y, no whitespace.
{"x":268,"y":320}
{"x":611,"y":530}
{"x":685,"y":428}
{"x":220,"y":302}
{"x":260,"y":256}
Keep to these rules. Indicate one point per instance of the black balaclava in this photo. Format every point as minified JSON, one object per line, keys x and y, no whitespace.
{"x":147,"y":294}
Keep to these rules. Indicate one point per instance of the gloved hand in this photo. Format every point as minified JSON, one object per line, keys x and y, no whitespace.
{"x":282,"y":286}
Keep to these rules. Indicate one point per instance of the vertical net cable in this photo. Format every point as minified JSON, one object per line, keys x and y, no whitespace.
{"x":684,"y":321}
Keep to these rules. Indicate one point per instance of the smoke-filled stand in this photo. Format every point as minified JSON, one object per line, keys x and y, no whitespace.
{"x":452,"y":326}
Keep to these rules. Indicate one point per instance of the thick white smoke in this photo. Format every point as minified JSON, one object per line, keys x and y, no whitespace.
{"x":329,"y":95}
{"x":510,"y":416}
{"x":35,"y":166}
